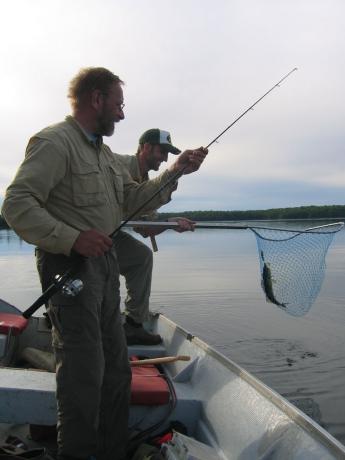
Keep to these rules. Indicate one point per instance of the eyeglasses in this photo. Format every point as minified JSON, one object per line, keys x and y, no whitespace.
{"x":118,"y":106}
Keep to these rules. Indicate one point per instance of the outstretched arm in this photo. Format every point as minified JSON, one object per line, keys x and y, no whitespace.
{"x":184,"y":225}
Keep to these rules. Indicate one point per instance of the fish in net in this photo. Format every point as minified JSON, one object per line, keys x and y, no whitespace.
{"x":292,"y":264}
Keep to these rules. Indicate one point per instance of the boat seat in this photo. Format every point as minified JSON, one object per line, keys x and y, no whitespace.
{"x":28,"y":396}
{"x":12,"y":324}
{"x":148,"y":386}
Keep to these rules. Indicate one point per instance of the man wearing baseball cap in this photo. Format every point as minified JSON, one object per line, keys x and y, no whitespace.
{"x":157,"y":136}
{"x":134,"y":257}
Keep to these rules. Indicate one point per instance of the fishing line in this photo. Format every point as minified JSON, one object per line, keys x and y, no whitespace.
{"x":251,"y":107}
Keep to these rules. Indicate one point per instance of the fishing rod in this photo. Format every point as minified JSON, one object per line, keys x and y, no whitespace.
{"x":72,"y":287}
{"x":178,"y":174}
{"x":251,"y":107}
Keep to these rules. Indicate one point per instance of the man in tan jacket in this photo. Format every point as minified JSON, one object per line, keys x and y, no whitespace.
{"x":135,"y":258}
{"x":67,"y":197}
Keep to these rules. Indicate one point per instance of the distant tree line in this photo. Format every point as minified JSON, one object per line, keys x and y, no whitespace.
{"x":302,"y":212}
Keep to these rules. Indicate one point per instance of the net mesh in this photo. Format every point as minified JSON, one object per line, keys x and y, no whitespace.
{"x":292,"y":264}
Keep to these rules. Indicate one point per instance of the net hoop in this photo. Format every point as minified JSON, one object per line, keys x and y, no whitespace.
{"x":292,"y":264}
{"x":293,"y":233}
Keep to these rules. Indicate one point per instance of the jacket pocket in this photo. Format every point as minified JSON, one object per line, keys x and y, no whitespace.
{"x":87,"y":186}
{"x":117,"y":183}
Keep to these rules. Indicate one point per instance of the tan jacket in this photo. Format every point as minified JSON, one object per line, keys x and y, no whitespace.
{"x":131,"y":162}
{"x":67,"y":184}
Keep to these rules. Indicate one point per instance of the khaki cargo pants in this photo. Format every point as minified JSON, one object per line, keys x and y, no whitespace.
{"x":135,"y":262}
{"x":92,"y":374}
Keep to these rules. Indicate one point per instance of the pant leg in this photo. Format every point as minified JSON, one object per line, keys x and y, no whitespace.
{"x":136,"y":263}
{"x":114,"y":408}
{"x":83,"y":363}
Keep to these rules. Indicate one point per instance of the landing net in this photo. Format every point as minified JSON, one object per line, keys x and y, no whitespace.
{"x":292,"y":264}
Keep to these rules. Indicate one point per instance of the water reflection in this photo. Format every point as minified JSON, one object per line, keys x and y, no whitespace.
{"x":10,"y":243}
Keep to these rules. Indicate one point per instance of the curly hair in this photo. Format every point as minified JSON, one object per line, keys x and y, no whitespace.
{"x":87,"y":80}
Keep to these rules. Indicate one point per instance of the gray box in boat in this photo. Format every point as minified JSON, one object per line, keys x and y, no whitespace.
{"x":184,"y":448}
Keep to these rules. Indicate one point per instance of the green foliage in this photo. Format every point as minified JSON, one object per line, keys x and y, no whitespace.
{"x":303,"y":212}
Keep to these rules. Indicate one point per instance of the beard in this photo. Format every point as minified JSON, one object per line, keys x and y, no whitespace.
{"x":153,"y":162}
{"x":106,"y":127}
{"x":154,"y":165}
{"x":106,"y":123}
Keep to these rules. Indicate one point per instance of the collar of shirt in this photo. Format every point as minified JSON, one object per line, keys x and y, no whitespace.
{"x":94,"y":139}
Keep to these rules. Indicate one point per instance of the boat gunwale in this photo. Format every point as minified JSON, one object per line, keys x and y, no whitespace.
{"x":293,"y":412}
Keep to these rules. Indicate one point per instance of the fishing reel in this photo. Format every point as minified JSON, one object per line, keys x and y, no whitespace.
{"x":70,"y":287}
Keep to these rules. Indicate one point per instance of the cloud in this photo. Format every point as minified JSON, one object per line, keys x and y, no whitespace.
{"x":214,"y":193}
{"x":213,"y":61}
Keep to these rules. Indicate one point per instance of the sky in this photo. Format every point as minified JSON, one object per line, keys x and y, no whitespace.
{"x":192,"y":67}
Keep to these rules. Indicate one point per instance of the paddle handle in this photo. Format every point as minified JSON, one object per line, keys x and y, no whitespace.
{"x":162,"y":360}
{"x":154,"y":243}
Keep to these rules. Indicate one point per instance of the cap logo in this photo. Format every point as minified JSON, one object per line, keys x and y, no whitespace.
{"x":164,"y":137}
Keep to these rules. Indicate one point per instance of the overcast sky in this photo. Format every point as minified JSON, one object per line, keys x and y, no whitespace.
{"x":192,"y":67}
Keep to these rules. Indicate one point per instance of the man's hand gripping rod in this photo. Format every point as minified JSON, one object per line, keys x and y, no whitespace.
{"x":66,"y":281}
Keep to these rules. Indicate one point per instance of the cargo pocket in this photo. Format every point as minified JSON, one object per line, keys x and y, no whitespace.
{"x":118,"y":184}
{"x":87,"y":185}
{"x":67,"y":317}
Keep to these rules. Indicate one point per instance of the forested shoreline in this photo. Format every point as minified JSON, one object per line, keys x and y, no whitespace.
{"x":302,"y":212}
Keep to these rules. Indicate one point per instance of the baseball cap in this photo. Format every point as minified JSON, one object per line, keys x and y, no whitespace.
{"x":158,"y":136}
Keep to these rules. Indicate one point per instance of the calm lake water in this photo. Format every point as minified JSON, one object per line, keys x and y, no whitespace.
{"x":209,"y":282}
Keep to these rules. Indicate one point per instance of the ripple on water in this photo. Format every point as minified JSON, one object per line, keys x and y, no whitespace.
{"x":267,"y":355}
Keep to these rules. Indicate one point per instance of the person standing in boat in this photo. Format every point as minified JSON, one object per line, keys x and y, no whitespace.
{"x":66,"y":198}
{"x":134,"y":257}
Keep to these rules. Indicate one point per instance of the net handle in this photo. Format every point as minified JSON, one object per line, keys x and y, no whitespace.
{"x":138,"y":223}
{"x":340,"y":224}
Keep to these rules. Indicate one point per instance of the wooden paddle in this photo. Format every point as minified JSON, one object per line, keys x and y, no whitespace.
{"x":161,"y":360}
